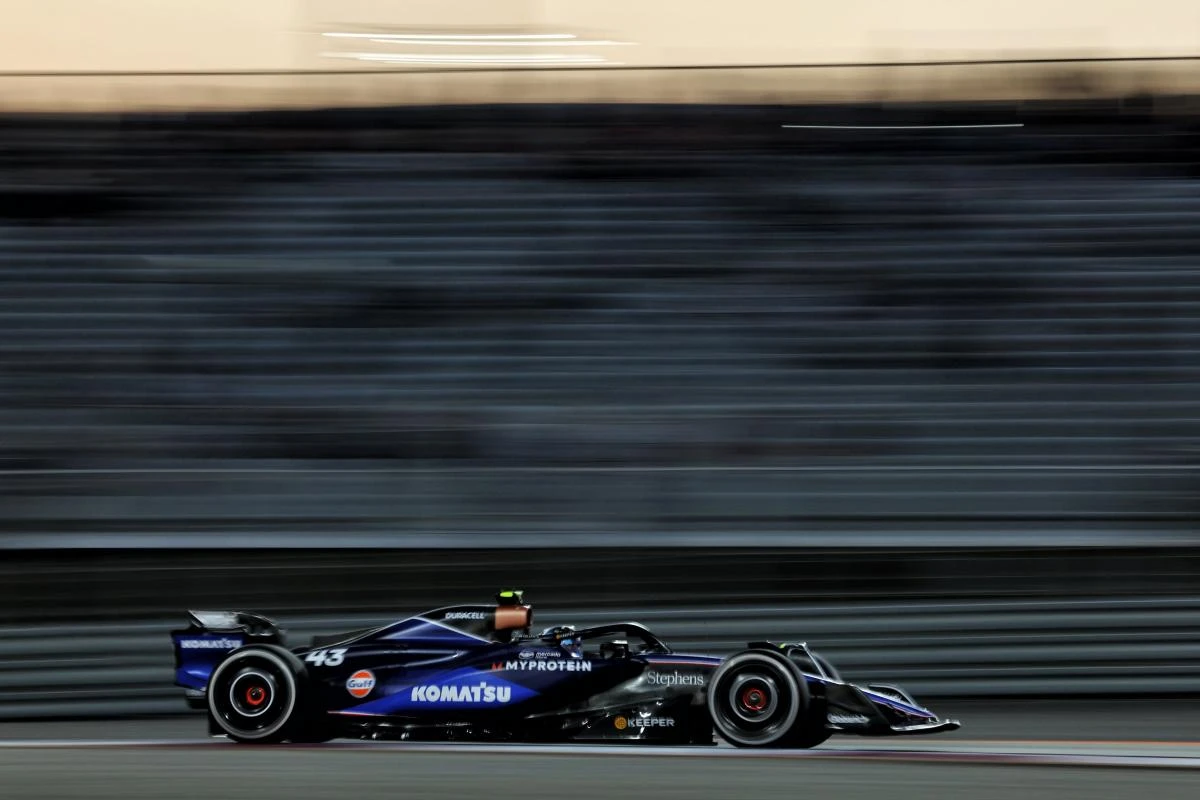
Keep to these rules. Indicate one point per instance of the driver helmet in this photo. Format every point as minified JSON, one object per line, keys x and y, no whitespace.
{"x":567,"y":638}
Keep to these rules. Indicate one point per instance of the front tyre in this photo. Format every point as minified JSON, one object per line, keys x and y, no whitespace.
{"x":255,"y":695}
{"x":760,"y":699}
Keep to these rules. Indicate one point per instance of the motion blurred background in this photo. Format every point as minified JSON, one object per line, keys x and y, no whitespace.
{"x":867,"y":324}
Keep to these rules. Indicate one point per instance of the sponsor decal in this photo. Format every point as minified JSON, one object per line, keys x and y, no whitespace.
{"x":621,"y":723}
{"x":466,"y":615}
{"x":326,"y":658}
{"x":209,"y":644}
{"x":848,"y":719}
{"x":461,"y":690}
{"x":675,"y":678}
{"x":528,"y":654}
{"x":361,"y":683}
{"x":480,"y":693}
{"x":543,"y":666}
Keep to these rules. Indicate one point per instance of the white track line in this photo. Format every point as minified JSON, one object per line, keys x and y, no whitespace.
{"x":89,"y":744}
{"x":904,"y":127}
{"x":977,"y":752}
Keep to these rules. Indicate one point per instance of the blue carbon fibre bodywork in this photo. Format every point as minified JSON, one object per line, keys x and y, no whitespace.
{"x":472,"y":671}
{"x":197,"y":655}
{"x":478,"y":676}
{"x":418,"y":631}
{"x":456,"y":690}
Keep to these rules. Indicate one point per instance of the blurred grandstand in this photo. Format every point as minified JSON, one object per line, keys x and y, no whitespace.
{"x":599,"y":322}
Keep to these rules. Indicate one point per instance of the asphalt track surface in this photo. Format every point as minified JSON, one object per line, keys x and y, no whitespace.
{"x":1021,"y":749}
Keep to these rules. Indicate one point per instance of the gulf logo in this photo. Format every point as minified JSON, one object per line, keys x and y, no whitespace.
{"x":361,"y":683}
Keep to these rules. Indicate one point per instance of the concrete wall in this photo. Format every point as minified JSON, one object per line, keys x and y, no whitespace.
{"x":186,"y":35}
{"x":287,"y":35}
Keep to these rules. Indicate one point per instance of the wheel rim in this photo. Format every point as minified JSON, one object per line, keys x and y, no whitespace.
{"x":754,"y":701}
{"x":252,"y":695}
{"x":753,"y":696}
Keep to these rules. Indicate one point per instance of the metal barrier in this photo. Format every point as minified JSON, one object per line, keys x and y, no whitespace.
{"x":756,"y":338}
{"x":621,"y":506}
{"x":993,"y":648}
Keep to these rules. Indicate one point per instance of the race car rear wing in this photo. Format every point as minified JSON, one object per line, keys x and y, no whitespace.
{"x":254,"y":626}
{"x":210,"y":635}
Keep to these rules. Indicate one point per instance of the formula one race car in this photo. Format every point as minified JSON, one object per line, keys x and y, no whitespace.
{"x":475,"y":672}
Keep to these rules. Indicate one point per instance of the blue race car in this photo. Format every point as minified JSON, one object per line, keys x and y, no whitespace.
{"x":477,"y":673}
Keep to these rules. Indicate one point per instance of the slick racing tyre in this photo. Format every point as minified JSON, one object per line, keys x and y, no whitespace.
{"x":760,"y":699}
{"x":259,"y":694}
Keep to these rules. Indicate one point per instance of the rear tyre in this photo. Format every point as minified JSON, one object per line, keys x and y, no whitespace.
{"x":760,"y":699}
{"x":259,"y":695}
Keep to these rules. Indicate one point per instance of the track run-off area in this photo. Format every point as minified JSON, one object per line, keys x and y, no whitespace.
{"x":1023,"y":749}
